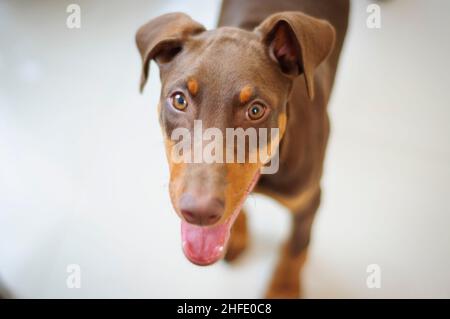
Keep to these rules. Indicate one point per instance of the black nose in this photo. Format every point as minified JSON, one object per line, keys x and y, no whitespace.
{"x":201,"y":209}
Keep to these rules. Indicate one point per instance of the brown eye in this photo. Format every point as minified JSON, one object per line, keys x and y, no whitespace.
{"x":179,"y":101}
{"x":255,"y":112}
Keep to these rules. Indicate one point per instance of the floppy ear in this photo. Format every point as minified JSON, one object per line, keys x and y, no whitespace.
{"x":298,"y":42}
{"x":162,"y":38}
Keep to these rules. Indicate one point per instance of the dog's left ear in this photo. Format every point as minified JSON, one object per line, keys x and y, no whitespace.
{"x":162,"y":39}
{"x":298,"y":42}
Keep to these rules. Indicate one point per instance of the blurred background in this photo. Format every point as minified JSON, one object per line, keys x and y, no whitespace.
{"x":83,"y":175}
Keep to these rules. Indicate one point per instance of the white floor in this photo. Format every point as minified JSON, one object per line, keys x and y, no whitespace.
{"x":83,"y":178}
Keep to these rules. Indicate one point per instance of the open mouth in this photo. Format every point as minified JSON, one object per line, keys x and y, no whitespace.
{"x":204,"y":245}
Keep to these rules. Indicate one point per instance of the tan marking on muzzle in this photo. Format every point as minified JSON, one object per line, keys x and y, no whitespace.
{"x":177,"y":171}
{"x":239,"y":178}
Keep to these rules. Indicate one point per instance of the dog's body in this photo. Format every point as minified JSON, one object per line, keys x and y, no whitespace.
{"x":302,"y":150}
{"x":295,"y":59}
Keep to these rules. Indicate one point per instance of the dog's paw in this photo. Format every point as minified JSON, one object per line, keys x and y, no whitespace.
{"x":285,"y":283}
{"x":283,"y":292}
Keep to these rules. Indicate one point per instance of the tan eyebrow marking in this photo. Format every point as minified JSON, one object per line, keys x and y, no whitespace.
{"x":192,"y":86}
{"x":246,"y":94}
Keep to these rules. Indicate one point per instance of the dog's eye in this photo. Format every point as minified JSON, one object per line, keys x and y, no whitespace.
{"x":179,"y":101}
{"x":255,"y":112}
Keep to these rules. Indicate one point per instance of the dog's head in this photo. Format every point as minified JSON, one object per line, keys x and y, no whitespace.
{"x":226,"y":78}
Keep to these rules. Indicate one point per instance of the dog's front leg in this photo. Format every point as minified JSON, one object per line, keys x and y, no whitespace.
{"x":286,"y":280}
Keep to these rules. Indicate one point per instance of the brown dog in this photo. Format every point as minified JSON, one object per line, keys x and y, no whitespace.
{"x":270,"y":64}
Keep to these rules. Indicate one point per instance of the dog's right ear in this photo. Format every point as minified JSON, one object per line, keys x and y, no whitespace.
{"x":162,"y":38}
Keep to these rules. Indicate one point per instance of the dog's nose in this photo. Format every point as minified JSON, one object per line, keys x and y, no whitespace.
{"x":201,"y":209}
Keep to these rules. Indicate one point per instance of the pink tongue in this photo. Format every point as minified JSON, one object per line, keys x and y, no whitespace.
{"x":204,"y":245}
